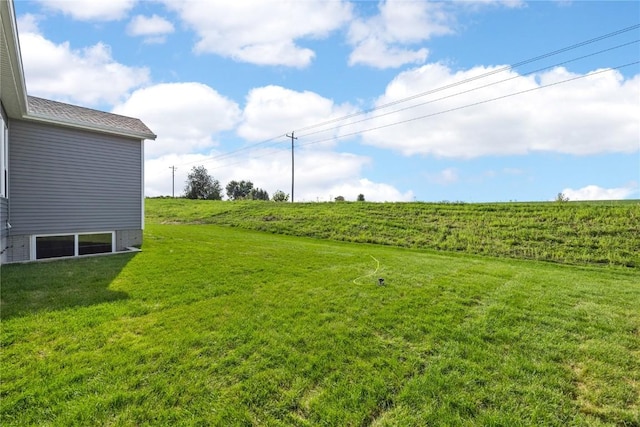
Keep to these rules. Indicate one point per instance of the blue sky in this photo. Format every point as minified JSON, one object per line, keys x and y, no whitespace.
{"x":397,"y":100}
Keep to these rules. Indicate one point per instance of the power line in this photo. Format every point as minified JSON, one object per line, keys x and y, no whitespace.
{"x":473,"y":104}
{"x":412,"y":97}
{"x":243,"y":161}
{"x":469,"y":90}
{"x":441,"y":112}
{"x":478,"y":77}
{"x":239,"y":150}
{"x":486,"y":101}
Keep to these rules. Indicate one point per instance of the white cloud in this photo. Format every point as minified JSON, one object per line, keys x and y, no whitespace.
{"x":372,"y":191}
{"x":88,"y":76}
{"x":445,"y":176}
{"x":597,"y":114}
{"x":154,"y":28}
{"x":185,"y":116}
{"x":28,"y":23}
{"x":158,"y":176}
{"x":386,"y":40}
{"x":273,"y":110}
{"x":594,"y":192}
{"x":316,"y":172}
{"x":320,"y":175}
{"x":261,"y":32}
{"x":94,"y":10}
{"x":506,"y":3}
{"x":187,"y":128}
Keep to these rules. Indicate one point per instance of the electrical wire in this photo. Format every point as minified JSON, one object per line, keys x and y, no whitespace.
{"x":274,"y":140}
{"x":474,"y":78}
{"x":471,"y":105}
{"x":486,"y":101}
{"x":239,"y":150}
{"x":466,"y":91}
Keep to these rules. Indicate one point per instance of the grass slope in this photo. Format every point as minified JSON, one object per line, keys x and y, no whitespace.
{"x":220,"y":326}
{"x":576,"y":232}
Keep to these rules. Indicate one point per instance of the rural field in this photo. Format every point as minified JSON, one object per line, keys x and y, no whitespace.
{"x":258,"y":313}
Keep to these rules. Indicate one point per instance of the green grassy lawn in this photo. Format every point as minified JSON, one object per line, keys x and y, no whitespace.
{"x":596,"y":233}
{"x":214,"y":325}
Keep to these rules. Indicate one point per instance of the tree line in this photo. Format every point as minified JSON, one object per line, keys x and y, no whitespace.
{"x":201,"y":185}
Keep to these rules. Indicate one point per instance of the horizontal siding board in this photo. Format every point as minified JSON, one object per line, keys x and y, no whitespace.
{"x":66,"y":180}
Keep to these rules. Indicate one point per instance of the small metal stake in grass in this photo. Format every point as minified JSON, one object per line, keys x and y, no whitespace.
{"x":381,"y":281}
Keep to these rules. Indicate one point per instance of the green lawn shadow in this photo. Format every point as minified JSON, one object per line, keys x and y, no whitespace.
{"x":55,"y":285}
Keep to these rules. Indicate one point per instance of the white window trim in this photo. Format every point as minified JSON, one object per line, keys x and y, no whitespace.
{"x":32,"y":245}
{"x":142,"y":184}
{"x":4,"y":157}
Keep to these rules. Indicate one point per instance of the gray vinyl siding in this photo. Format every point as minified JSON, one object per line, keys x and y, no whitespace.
{"x":67,"y":180}
{"x":4,"y":215}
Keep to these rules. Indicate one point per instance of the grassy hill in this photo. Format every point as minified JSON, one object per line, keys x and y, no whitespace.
{"x":574,"y":232}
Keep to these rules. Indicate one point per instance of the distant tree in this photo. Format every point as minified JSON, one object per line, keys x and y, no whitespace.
{"x":258,"y":194}
{"x":239,"y":190}
{"x":200,"y":185}
{"x":561,"y":198}
{"x":361,"y":197}
{"x":339,"y":199}
{"x":280,"y":196}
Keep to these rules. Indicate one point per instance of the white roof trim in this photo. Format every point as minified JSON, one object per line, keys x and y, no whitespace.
{"x":14,"y":56}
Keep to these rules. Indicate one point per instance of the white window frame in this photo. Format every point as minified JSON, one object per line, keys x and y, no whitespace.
{"x":4,"y":156}
{"x":34,"y":238}
{"x":142,"y":184}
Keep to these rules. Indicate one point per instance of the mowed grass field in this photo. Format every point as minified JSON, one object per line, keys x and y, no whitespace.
{"x":219,"y":325}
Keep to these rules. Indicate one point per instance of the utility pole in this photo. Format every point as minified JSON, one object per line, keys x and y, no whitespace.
{"x":173,"y":180}
{"x":292,"y":164}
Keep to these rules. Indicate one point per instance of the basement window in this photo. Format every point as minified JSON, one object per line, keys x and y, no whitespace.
{"x":95,"y":243}
{"x":54,"y":246}
{"x":68,"y":245}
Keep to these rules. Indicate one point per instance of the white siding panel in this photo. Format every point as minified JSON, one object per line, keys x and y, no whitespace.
{"x":67,"y":181}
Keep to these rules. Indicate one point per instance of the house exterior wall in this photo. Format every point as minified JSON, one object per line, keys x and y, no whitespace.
{"x":19,"y":248}
{"x":128,"y":238}
{"x":4,"y":215}
{"x":66,"y":180}
{"x":4,"y":174}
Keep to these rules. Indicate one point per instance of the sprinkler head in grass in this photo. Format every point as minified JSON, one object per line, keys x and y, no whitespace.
{"x":381,"y":281}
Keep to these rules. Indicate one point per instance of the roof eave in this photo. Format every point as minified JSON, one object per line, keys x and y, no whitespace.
{"x":82,"y":126}
{"x":16,"y":99}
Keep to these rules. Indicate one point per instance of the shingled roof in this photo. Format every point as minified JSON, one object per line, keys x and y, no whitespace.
{"x":61,"y":113}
